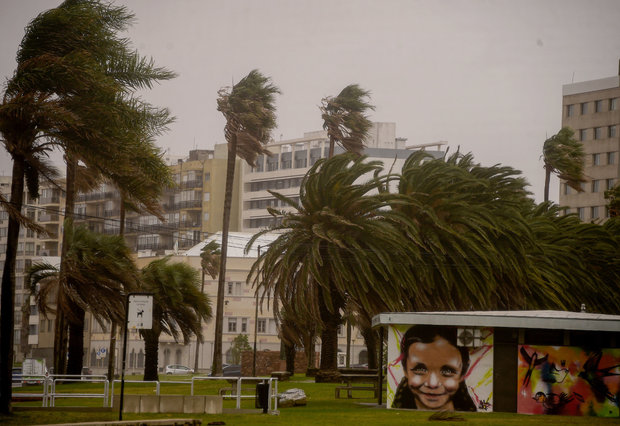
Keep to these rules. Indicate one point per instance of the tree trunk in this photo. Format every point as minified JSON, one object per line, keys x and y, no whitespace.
{"x":76,"y":341}
{"x":202,"y":290}
{"x":328,"y":369}
{"x":219,"y":315}
{"x":60,"y":339}
{"x":331,"y":147}
{"x":112,"y":348}
{"x":370,"y":338}
{"x":547,"y":179}
{"x":7,"y":304}
{"x":151,"y":354}
{"x":289,"y":354}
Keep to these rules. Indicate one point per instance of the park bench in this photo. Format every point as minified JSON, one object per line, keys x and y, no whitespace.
{"x":358,"y":382}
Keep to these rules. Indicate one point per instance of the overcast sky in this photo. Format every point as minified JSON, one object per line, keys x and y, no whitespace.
{"x":483,"y":75}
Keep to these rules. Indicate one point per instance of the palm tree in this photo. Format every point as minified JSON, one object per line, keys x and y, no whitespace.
{"x":100,"y":270}
{"x":76,"y":72}
{"x":563,"y":155}
{"x":250,"y":117}
{"x":345,"y":120}
{"x":340,"y":243}
{"x":613,"y":195}
{"x":209,"y":263}
{"x":179,"y":307}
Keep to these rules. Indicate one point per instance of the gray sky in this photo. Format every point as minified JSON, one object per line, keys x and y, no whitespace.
{"x":483,"y":75}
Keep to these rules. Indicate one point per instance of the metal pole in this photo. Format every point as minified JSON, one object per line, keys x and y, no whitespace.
{"x":120,"y":411}
{"x":381,"y":332}
{"x":255,"y":324}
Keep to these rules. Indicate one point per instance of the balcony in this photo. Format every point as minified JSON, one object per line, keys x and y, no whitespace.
{"x":197,"y":183}
{"x":188,"y":204}
{"x":48,"y":217}
{"x":49,"y":200}
{"x":189,"y":224}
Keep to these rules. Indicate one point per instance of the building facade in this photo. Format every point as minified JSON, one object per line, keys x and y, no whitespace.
{"x":592,"y":110}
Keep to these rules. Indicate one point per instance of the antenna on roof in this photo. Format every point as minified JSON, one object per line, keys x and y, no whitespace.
{"x":583,"y":307}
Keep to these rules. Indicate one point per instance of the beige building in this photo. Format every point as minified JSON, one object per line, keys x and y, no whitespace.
{"x":283,"y":170}
{"x":592,"y":110}
{"x":31,"y":330}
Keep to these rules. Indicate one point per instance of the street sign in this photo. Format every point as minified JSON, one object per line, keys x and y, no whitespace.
{"x":140,"y":311}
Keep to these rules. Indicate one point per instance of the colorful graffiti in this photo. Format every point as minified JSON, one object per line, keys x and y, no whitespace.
{"x":430,"y":368}
{"x":568,"y":380}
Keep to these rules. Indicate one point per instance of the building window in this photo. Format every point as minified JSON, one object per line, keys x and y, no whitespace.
{"x":612,"y":131}
{"x":261,"y":325}
{"x":596,"y":159}
{"x":611,"y":158}
{"x":583,"y":133}
{"x":594,"y":213}
{"x":596,"y":185}
{"x":232,"y":325}
{"x":244,"y":325}
{"x":613,"y":104}
{"x":611,"y":183}
{"x":598,"y":133}
{"x":207,"y":196}
{"x":581,"y":212}
{"x":207,"y":177}
{"x":584,"y":108}
{"x":233,"y":288}
{"x":206,"y":216}
{"x":570,"y":110}
{"x":598,"y":106}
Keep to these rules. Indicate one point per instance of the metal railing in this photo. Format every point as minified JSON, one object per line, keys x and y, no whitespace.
{"x":49,"y":391}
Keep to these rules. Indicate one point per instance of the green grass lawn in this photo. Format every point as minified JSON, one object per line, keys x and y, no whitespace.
{"x":322,"y":408}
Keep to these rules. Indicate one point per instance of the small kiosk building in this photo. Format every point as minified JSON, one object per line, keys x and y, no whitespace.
{"x":531,"y":362}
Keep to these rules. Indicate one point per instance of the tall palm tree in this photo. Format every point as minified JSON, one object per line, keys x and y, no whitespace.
{"x":100,"y":270}
{"x":340,"y":242}
{"x":82,"y":76}
{"x":249,"y":111}
{"x":179,"y":307}
{"x":345,"y":120}
{"x":209,"y":263}
{"x":563,"y":155}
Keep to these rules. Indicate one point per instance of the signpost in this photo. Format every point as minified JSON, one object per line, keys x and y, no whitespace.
{"x":138,"y":315}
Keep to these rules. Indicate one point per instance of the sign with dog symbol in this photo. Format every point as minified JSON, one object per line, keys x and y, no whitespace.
{"x":140,"y":312}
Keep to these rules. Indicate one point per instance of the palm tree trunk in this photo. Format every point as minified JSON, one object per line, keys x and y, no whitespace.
{"x":7,"y":304}
{"x":76,"y":341}
{"x":289,"y":354}
{"x":370,"y":338}
{"x":547,"y":179}
{"x":219,"y":314}
{"x":151,"y":354}
{"x":331,"y":147}
{"x":60,"y":339}
{"x":328,"y":369}
{"x":202,"y":290}
{"x":112,"y":348}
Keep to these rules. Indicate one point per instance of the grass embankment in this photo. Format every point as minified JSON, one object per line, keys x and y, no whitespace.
{"x":322,"y":408}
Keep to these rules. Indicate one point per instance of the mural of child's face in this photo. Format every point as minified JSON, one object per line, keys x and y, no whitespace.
{"x":434,"y":373}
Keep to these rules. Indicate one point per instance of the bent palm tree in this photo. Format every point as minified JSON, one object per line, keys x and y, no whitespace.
{"x":179,"y":306}
{"x":100,"y":270}
{"x":250,"y":116}
{"x":345,"y":120}
{"x":209,"y":263}
{"x":340,"y":243}
{"x":563,"y":155}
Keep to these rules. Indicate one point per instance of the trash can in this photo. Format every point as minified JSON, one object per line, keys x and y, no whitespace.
{"x":262,"y":396}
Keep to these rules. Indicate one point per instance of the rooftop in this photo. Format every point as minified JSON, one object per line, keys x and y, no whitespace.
{"x":557,"y":320}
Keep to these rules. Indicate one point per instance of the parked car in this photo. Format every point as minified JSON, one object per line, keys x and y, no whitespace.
{"x":178,"y":369}
{"x":231,"y":370}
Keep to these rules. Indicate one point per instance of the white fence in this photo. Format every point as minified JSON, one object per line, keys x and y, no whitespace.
{"x":49,"y":391}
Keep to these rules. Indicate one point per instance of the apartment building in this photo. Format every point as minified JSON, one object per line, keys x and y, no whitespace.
{"x":283,"y":170}
{"x":192,"y":209}
{"x":592,"y":110}
{"x":31,"y":331}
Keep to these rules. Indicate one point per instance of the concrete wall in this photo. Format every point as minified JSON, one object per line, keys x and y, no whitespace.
{"x":196,"y":404}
